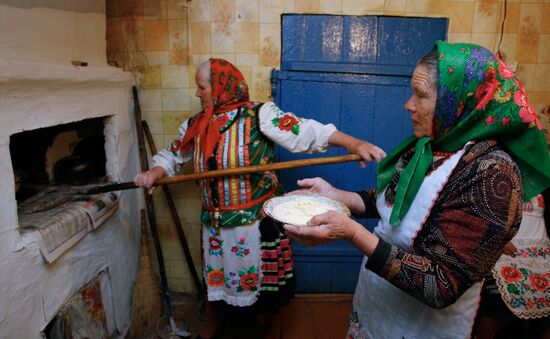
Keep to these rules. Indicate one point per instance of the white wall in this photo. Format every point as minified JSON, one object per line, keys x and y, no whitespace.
{"x":53,"y":34}
{"x":39,"y":88}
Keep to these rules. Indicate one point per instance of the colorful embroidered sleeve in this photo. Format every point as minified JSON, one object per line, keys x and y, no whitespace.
{"x":476,"y":214}
{"x":171,"y":158}
{"x":296,"y":134}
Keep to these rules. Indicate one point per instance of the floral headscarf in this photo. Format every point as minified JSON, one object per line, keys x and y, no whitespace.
{"x":229,"y":91}
{"x":479,"y":97}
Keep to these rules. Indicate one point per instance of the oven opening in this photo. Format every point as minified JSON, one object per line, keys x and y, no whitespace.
{"x":70,"y":154}
{"x":54,"y":168}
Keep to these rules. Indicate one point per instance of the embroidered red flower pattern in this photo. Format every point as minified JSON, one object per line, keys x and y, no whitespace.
{"x":511,"y":274}
{"x":287,"y":122}
{"x":215,"y":243}
{"x":539,"y":282}
{"x":175,"y":146}
{"x":215,"y":278}
{"x":489,"y":120}
{"x":249,"y":281}
{"x":486,"y":90}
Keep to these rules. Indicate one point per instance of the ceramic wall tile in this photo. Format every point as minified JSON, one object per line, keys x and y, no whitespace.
{"x":194,"y":101}
{"x":157,"y":58}
{"x":439,"y":6}
{"x":544,"y":49}
{"x":508,"y":46}
{"x":528,"y":37}
{"x":460,"y":37}
{"x":199,"y":11}
{"x":354,"y":7}
{"x":271,"y":10}
{"x":511,"y":25}
{"x":270,"y":45}
{"x":545,"y":24}
{"x":112,"y":9}
{"x":133,"y":33}
{"x":174,"y":10}
{"x":223,"y":26}
{"x":178,"y":41}
{"x":251,"y":59}
{"x":114,"y":37}
{"x":417,"y":6}
{"x":150,"y":99}
{"x":306,"y":6}
{"x":159,"y":138}
{"x":151,"y":77}
{"x":174,"y":99}
{"x":247,"y":10}
{"x":155,"y":9}
{"x":260,"y":89}
{"x":171,"y":121}
{"x":398,"y":6}
{"x":231,"y":57}
{"x":486,"y":40}
{"x":200,"y":37}
{"x":128,"y":8}
{"x":461,"y":17}
{"x":156,"y":35}
{"x":154,"y":121}
{"x":526,"y":75}
{"x":174,"y":76}
{"x":330,"y":6}
{"x":247,"y":37}
{"x":247,"y":73}
{"x":542,"y":78}
{"x":374,"y":6}
{"x":199,"y":58}
{"x":540,"y":102}
{"x":486,"y":17}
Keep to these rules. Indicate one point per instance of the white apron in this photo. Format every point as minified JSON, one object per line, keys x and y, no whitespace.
{"x":381,"y":310}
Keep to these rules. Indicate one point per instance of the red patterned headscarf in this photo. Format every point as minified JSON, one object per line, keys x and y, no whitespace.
{"x":229,"y":91}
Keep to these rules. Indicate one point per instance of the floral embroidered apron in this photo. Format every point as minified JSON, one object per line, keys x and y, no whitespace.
{"x":380,"y":309}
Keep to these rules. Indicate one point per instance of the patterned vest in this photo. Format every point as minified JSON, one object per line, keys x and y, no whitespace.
{"x":237,"y":200}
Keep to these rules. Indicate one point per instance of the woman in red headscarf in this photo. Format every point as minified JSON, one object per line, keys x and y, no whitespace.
{"x":246,"y":261}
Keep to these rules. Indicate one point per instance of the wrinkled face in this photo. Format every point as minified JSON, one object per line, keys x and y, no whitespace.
{"x":422,"y":102}
{"x":204,"y":90}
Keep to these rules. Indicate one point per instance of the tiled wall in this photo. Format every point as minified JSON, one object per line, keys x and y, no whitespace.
{"x":166,"y":43}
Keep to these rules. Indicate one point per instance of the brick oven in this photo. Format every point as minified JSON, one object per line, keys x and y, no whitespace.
{"x":48,"y":107}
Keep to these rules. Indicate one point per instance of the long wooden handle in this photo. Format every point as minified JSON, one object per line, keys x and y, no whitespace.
{"x":233,"y":171}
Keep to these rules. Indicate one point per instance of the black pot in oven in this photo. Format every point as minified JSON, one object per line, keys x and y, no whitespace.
{"x":74,"y":170}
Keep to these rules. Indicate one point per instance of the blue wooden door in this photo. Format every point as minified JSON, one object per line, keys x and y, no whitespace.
{"x":353,"y":72}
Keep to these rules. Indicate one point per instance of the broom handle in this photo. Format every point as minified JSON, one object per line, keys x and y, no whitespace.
{"x":233,"y":171}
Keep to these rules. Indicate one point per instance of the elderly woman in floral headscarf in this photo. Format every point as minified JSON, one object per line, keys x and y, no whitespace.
{"x":449,"y":198}
{"x":246,"y":261}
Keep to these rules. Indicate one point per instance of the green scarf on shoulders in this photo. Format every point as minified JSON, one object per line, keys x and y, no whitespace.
{"x":478,"y":97}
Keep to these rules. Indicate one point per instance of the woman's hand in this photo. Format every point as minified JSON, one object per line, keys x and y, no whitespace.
{"x":330,"y":226}
{"x":366,"y":150}
{"x":315,"y":186}
{"x":324,"y":228}
{"x":148,"y":178}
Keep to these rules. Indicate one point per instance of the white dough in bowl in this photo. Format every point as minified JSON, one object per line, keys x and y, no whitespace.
{"x":298,"y":209}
